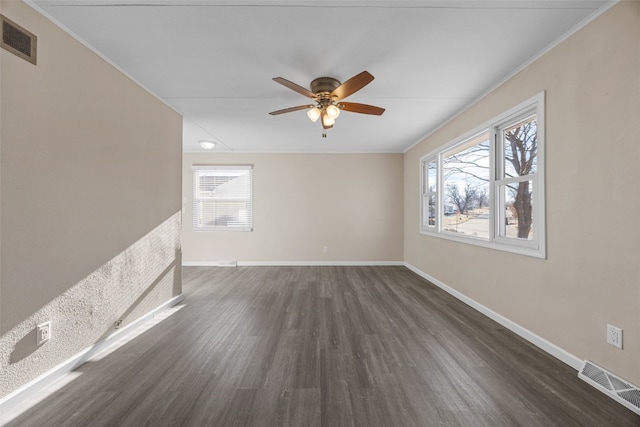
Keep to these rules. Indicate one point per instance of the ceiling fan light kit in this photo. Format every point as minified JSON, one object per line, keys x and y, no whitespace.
{"x":332,"y":111}
{"x":314,"y":114}
{"x":328,"y":92}
{"x":327,"y":122}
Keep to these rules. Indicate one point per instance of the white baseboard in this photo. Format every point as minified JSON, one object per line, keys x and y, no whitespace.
{"x":555,"y":351}
{"x":200,"y":263}
{"x":294,"y":263}
{"x":319,"y":263}
{"x":13,"y":399}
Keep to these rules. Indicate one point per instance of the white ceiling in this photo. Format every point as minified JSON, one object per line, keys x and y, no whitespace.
{"x":214,"y":61}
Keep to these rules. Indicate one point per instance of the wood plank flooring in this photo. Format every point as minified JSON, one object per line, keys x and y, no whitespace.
{"x":324,"y":346}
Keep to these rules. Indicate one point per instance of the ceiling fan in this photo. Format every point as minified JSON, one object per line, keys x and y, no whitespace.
{"x":328,"y":94}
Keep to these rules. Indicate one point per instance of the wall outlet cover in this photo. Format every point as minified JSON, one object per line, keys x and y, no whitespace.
{"x":43,"y":333}
{"x":614,"y":336}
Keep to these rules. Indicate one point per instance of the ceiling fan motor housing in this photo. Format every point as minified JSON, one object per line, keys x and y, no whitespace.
{"x":324,"y":85}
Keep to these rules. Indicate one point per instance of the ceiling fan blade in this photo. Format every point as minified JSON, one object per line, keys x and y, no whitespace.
{"x":354,"y":107}
{"x":291,"y":109}
{"x":351,"y":86}
{"x":296,"y":87}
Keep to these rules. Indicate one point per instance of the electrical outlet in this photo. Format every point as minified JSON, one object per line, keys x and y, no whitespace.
{"x":325,"y":249}
{"x":614,"y":336}
{"x":43,"y":333}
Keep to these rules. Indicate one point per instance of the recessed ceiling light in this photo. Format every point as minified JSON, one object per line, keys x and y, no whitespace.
{"x":208,"y":145}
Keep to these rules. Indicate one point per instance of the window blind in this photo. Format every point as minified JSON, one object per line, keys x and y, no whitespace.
{"x":223,"y":198}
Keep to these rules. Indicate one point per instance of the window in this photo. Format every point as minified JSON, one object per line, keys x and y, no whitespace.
{"x":465,"y":174}
{"x":429,"y":192}
{"x":487,"y":187}
{"x":222,"y":198}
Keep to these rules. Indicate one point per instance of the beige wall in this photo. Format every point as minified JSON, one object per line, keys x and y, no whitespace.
{"x":352,"y":203}
{"x":90,"y":208}
{"x":592,"y":274}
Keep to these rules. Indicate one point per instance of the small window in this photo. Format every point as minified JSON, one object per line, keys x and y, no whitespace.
{"x":429,"y":193}
{"x":222,"y":198}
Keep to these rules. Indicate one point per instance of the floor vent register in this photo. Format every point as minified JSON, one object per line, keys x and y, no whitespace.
{"x":618,"y":389}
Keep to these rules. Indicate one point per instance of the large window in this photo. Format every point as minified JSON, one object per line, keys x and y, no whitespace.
{"x":487,"y":187}
{"x":222,"y":198}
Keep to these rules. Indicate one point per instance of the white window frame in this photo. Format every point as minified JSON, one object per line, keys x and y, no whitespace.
{"x":536,"y":246}
{"x":197,"y":222}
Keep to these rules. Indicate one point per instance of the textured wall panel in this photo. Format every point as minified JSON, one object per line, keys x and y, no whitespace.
{"x":131,"y":284}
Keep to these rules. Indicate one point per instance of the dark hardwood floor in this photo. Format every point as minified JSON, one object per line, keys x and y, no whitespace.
{"x":324,"y":346}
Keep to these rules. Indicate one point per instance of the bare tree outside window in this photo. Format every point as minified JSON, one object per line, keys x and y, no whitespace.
{"x":520,"y":160}
{"x":466,"y":176}
{"x":463,"y":199}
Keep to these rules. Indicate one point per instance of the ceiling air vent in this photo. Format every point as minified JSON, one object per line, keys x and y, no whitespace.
{"x":18,"y":41}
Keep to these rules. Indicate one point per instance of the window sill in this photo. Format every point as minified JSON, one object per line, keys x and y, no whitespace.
{"x":515,"y":249}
